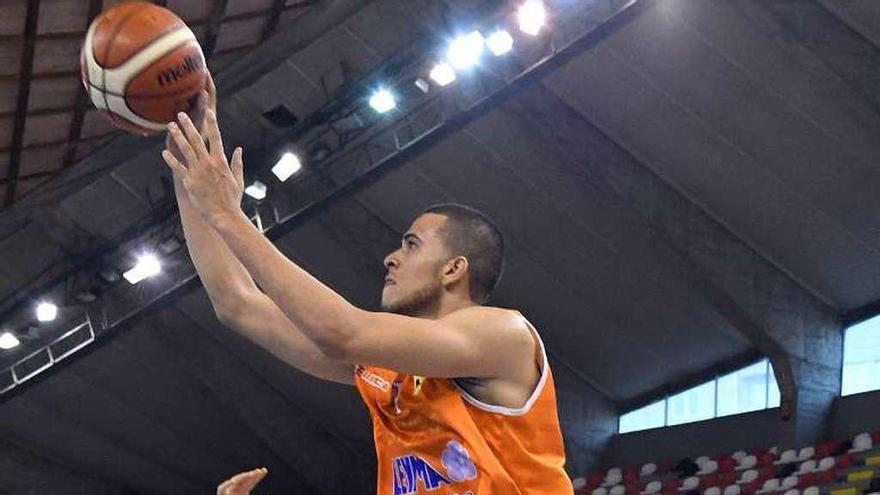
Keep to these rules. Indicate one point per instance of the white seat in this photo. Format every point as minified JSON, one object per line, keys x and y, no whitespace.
{"x":787,"y":456}
{"x":653,"y":487}
{"x":748,"y":476}
{"x":617,"y":490}
{"x":788,"y":483}
{"x":600,"y":491}
{"x":614,"y":476}
{"x":774,"y":450}
{"x":712,"y":490}
{"x":770,"y":485}
{"x":738,"y":455}
{"x":813,"y":490}
{"x":690,"y":484}
{"x":792,"y":492}
{"x":648,"y":469}
{"x":806,"y":453}
{"x":708,"y":467}
{"x":862,"y":442}
{"x":732,"y":490}
{"x":748,"y":462}
{"x":701,"y":460}
{"x":826,"y":463}
{"x":808,"y":466}
{"x":579,"y":483}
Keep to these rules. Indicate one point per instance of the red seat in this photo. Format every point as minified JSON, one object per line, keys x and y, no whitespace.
{"x":766,"y":458}
{"x":708,"y":480}
{"x":727,"y":479}
{"x":671,"y":486}
{"x":726,"y":464}
{"x":845,"y":461}
{"x":765,"y":473}
{"x":630,"y":476}
{"x":664,"y":467}
{"x":826,"y":477}
{"x":595,"y":479}
{"x":634,"y":489}
{"x":807,"y":480}
{"x":876,"y":437}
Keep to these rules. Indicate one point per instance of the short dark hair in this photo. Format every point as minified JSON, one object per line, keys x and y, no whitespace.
{"x":470,"y":233}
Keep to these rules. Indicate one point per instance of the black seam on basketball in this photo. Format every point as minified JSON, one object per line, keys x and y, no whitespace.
{"x":107,"y":55}
{"x":128,"y":95}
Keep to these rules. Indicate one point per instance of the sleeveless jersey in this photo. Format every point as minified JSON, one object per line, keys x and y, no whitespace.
{"x":432,"y":437}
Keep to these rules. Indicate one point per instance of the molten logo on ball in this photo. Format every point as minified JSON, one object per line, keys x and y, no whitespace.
{"x":190,"y":64}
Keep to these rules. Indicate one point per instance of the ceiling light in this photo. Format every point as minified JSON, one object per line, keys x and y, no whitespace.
{"x":531,"y":17}
{"x":256,"y":190}
{"x":383,"y":101}
{"x":147,"y":266}
{"x":464,"y":52}
{"x":499,"y":42}
{"x":442,"y":74}
{"x":287,"y":165}
{"x":46,"y":311}
{"x":8,"y":341}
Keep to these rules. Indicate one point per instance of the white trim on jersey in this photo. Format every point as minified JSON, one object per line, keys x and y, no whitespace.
{"x":510,"y":411}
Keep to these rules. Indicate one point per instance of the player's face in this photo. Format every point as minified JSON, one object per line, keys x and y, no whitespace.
{"x":413,"y":282}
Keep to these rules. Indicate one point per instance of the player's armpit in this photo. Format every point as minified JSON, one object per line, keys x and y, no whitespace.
{"x":479,"y":342}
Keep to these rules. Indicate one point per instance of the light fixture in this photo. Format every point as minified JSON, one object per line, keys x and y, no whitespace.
{"x":499,"y":42}
{"x":442,"y":74}
{"x":8,"y":341}
{"x":464,"y":52}
{"x":46,"y":311}
{"x":383,"y":101}
{"x":423,"y":85}
{"x":531,"y":17}
{"x":287,"y":165}
{"x":147,"y":266}
{"x":256,"y":190}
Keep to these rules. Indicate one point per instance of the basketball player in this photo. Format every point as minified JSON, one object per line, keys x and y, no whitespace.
{"x":461,"y":394}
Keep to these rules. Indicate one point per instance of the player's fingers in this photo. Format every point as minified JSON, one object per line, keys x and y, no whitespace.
{"x":192,"y":134}
{"x":212,"y":92}
{"x":173,"y":163}
{"x":212,"y":129}
{"x":182,"y":143}
{"x":253,"y":478}
{"x":238,"y":167}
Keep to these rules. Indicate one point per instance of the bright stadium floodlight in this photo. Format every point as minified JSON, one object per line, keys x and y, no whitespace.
{"x":147,"y":266}
{"x":287,"y":165}
{"x":531,"y":16}
{"x":443,"y":74}
{"x":8,"y":341}
{"x":464,"y":52}
{"x":256,"y":190}
{"x":383,"y":101}
{"x":499,"y":42}
{"x":46,"y":311}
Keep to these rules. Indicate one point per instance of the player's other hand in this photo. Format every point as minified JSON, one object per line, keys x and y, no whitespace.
{"x":242,"y":483}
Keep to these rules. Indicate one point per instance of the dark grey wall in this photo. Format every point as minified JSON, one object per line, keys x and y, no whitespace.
{"x":742,"y":431}
{"x":855,"y":414}
{"x":588,"y":420}
{"x":23,"y":473}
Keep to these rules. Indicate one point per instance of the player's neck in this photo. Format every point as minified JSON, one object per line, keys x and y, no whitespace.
{"x":445,"y":305}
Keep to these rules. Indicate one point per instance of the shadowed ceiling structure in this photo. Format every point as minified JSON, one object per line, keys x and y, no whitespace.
{"x":690,"y":188}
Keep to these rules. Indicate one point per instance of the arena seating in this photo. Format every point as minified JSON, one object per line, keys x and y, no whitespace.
{"x":840,"y":467}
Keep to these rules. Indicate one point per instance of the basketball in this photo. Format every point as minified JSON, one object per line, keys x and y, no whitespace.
{"x":141,"y":65}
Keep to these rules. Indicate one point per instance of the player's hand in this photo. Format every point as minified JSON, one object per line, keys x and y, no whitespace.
{"x":214,"y":187}
{"x":242,"y":483}
{"x":207,"y":100}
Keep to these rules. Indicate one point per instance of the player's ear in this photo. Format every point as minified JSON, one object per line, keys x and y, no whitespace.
{"x":455,"y":269}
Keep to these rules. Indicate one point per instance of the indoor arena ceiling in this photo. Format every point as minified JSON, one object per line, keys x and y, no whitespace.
{"x":763,"y":115}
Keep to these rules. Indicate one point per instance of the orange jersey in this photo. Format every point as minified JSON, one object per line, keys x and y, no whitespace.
{"x":432,"y":437}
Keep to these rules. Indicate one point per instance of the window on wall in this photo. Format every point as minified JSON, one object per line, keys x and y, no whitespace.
{"x":861,"y":358}
{"x":752,"y":388}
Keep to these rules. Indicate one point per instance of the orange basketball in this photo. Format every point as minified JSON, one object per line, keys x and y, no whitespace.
{"x":141,"y":65}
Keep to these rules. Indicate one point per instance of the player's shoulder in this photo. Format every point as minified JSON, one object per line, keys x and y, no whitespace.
{"x":491,"y":318}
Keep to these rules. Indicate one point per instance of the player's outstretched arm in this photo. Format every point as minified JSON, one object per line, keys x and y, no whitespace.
{"x":237,"y":301}
{"x":474,"y":342}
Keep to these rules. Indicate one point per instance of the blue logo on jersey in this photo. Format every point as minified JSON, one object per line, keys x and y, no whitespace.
{"x":457,"y":462}
{"x":410,"y":469}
